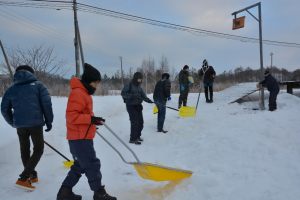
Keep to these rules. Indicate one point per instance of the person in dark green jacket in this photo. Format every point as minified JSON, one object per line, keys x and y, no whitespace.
{"x":184,"y":85}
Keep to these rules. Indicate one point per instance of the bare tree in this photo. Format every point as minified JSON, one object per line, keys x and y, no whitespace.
{"x":41,"y":59}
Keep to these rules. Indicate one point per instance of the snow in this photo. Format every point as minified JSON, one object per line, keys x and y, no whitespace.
{"x":234,"y":151}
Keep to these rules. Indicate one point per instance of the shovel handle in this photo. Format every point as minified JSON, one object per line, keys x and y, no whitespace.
{"x":56,"y":151}
{"x":114,"y":148}
{"x":114,"y":134}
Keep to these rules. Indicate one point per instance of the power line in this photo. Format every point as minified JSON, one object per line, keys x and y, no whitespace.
{"x":97,"y":10}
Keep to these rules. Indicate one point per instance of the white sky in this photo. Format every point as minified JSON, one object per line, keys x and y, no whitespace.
{"x":105,"y":38}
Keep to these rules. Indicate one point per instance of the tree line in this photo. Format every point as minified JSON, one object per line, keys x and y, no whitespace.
{"x":51,"y":71}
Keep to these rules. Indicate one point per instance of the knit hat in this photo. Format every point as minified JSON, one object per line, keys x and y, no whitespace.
{"x":186,"y":67}
{"x":165,"y":75}
{"x":90,"y":74}
{"x":25,"y":67}
{"x":137,"y":75}
{"x":205,"y":63}
{"x":267,"y":72}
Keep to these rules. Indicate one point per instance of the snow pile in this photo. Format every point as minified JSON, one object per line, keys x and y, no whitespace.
{"x":235,"y":152}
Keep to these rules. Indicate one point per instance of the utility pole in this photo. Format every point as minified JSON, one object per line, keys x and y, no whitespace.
{"x":122,"y":71}
{"x":76,"y":39}
{"x":259,"y":19}
{"x":7,"y":63}
{"x":271,"y":54}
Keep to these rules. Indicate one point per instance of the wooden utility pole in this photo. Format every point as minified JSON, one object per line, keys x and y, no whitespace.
{"x":7,"y":63}
{"x":122,"y":70}
{"x":76,"y":39}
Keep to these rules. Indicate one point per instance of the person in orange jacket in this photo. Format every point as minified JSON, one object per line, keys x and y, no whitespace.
{"x":81,"y":129}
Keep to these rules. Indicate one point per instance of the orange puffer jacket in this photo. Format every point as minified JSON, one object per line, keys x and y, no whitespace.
{"x":79,"y":112}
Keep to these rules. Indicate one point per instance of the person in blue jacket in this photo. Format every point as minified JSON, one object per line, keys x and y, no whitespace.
{"x":273,"y":87}
{"x":26,"y":106}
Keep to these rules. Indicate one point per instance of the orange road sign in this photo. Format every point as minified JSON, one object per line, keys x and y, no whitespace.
{"x":238,"y":23}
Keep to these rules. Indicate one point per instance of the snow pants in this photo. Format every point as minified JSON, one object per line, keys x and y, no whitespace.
{"x":37,"y":138}
{"x":85,"y":162}
{"x":136,"y":120}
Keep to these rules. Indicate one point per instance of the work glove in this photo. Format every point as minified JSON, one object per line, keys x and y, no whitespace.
{"x":169,"y":98}
{"x":98,"y":121}
{"x":49,"y":127}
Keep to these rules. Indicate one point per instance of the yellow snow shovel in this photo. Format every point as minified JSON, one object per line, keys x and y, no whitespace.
{"x":155,"y":109}
{"x":187,"y":111}
{"x":147,"y":170}
{"x":68,"y":163}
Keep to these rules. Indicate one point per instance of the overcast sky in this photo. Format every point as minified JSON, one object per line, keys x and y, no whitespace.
{"x":105,"y":38}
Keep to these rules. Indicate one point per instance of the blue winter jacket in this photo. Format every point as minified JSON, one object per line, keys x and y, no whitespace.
{"x":27,"y":102}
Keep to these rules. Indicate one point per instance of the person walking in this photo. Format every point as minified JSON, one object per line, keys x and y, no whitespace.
{"x":27,"y":106}
{"x":184,"y":85}
{"x":161,"y":94}
{"x":208,"y":73}
{"x":273,"y":87}
{"x":133,"y":96}
{"x":81,"y":128}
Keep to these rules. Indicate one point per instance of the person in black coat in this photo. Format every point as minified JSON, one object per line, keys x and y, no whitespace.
{"x":162,"y":93}
{"x":184,"y":86}
{"x":27,"y":106}
{"x":273,"y":87}
{"x":133,"y":95}
{"x":208,"y":73}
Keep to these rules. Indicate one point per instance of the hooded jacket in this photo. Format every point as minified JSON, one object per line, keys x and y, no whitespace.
{"x":79,"y":112}
{"x":27,"y":102}
{"x":133,"y":94}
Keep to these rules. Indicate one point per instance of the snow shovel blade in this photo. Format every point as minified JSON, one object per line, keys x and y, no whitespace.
{"x":68,"y":164}
{"x":160,"y":173}
{"x":187,"y":111}
{"x":155,"y":110}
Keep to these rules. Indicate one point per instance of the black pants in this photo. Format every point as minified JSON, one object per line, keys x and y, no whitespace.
{"x":136,"y":120}
{"x":208,"y":87}
{"x":183,"y":98}
{"x":272,"y":100}
{"x":37,"y":138}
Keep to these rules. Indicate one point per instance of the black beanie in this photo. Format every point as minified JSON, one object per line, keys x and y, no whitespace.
{"x":137,"y":75}
{"x":90,"y":74}
{"x":185,"y":67}
{"x":25,"y":67}
{"x":165,"y":75}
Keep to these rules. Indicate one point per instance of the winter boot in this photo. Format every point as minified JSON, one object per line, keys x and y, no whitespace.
{"x":137,"y":142}
{"x":66,"y":193}
{"x":102,"y":195}
{"x":24,"y":183}
{"x":162,"y":131}
{"x":140,"y":139}
{"x":34,"y":177}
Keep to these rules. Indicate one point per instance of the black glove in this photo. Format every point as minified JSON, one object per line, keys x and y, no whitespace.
{"x":98,"y":121}
{"x":49,"y":127}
